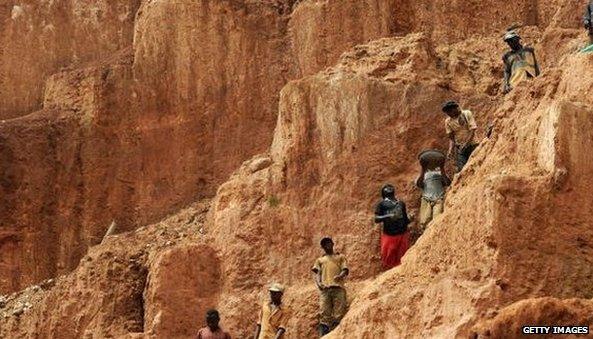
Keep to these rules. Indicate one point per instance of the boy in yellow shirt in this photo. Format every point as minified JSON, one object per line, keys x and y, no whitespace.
{"x":330,"y":271}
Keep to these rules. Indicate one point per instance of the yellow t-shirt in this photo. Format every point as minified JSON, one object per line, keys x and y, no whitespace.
{"x":522,"y":67}
{"x":461,"y":127}
{"x":271,"y":319}
{"x":330,"y":266}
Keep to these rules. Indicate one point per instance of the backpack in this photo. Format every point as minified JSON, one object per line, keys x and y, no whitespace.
{"x":396,"y":208}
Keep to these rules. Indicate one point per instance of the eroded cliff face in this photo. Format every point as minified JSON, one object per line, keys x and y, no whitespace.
{"x":140,"y":134}
{"x":40,"y":37}
{"x":204,"y":87}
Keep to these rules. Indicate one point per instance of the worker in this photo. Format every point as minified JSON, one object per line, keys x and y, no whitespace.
{"x":272,"y":318}
{"x":519,"y":63}
{"x":212,"y":329}
{"x":461,"y":127}
{"x":395,"y":237}
{"x":329,"y":271}
{"x":588,"y":20}
{"x":432,"y":182}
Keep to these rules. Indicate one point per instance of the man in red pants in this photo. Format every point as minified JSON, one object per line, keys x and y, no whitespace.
{"x":395,"y":237}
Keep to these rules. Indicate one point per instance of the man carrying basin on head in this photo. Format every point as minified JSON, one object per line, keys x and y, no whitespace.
{"x":432,"y":182}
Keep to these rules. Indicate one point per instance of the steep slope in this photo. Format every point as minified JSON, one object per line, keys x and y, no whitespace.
{"x":529,"y":232}
{"x":327,"y":124}
{"x":139,"y":135}
{"x":146,"y":106}
{"x":161,"y":124}
{"x":136,"y":134}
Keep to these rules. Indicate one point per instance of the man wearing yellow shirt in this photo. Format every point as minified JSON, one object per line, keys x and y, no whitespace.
{"x":519,"y":63}
{"x":272,"y":317}
{"x":461,"y":127}
{"x":330,"y":271}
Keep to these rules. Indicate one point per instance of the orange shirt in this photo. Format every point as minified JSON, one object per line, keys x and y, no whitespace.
{"x":271,"y":319}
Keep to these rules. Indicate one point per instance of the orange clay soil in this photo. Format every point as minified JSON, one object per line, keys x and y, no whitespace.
{"x":253,"y":128}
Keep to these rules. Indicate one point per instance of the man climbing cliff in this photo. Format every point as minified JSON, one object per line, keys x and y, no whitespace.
{"x":519,"y":63}
{"x":395,"y":237}
{"x":461,"y":127}
{"x":432,"y":182}
{"x":272,"y":317}
{"x":330,"y":271}
{"x":588,"y":20}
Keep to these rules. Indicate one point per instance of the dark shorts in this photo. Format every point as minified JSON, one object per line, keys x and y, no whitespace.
{"x":463,"y":156}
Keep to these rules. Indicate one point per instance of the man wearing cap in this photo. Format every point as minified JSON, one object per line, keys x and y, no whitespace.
{"x":272,"y":318}
{"x":395,"y":238}
{"x":519,"y":63}
{"x":330,"y":271}
{"x":461,"y":127}
{"x":212,"y":330}
{"x":588,"y":20}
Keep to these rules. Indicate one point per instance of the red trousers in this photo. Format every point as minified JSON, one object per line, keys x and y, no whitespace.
{"x":393,"y":248}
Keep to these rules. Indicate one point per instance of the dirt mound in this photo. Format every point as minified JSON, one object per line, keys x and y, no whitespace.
{"x":537,"y":312}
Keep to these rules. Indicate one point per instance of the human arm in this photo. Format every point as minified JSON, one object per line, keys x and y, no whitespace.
{"x":405,"y":218}
{"x":451,"y":144}
{"x":317,"y":274}
{"x":451,"y":136}
{"x":507,"y":75}
{"x":420,"y":180}
{"x":257,"y":330}
{"x":472,"y":126}
{"x":280,"y":333}
{"x":344,"y":270}
{"x":258,"y":326}
{"x":282,"y":325}
{"x":379,"y":216}
{"x":535,"y":63}
{"x":446,"y":180}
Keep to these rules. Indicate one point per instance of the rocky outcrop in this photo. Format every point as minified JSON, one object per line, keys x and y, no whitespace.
{"x":527,"y":235}
{"x":166,"y":120}
{"x":145,"y":282}
{"x":38,"y":38}
{"x":135,"y":134}
{"x":542,"y":311}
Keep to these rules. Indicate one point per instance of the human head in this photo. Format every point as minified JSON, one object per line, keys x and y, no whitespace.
{"x":276,"y":292}
{"x":327,"y":244}
{"x":212,"y":318}
{"x":513,"y":40}
{"x":451,"y":108}
{"x":388,"y":191}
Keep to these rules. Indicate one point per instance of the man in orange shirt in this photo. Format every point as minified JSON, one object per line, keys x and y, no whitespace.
{"x":272,"y":318}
